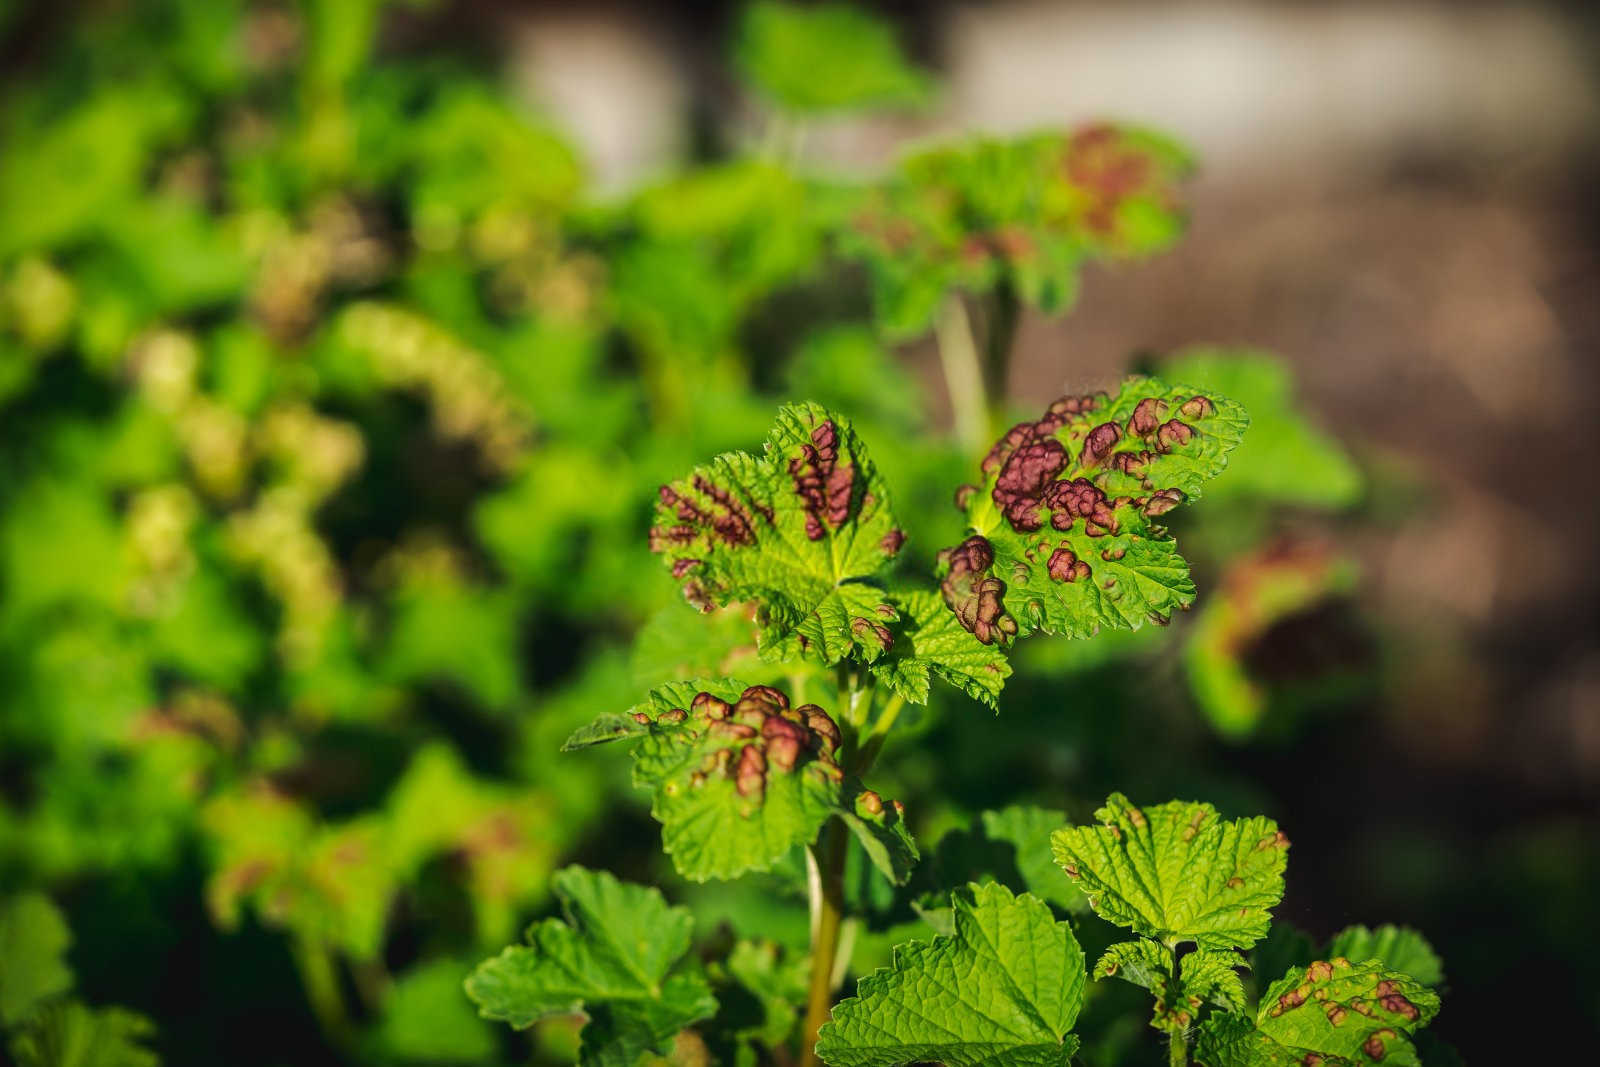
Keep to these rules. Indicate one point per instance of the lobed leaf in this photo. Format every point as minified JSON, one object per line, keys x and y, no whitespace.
{"x":1063,"y":531}
{"x":616,"y":957}
{"x":1003,"y":991}
{"x":800,"y":530}
{"x":932,"y":641}
{"x":1178,"y":872}
{"x":1398,"y":948}
{"x":739,"y":778}
{"x":1023,"y":214}
{"x":1331,"y":1012}
{"x":1180,"y":986}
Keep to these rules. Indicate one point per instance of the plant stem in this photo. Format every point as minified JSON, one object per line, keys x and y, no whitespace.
{"x":963,"y":374}
{"x":1178,"y":1046}
{"x":1004,"y":311}
{"x":873,"y":744}
{"x":320,"y":977}
{"x":827,"y":913}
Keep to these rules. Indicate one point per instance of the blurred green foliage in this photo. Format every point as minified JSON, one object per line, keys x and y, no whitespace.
{"x":332,"y":409}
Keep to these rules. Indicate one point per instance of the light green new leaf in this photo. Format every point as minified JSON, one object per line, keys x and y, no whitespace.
{"x":1177,"y":871}
{"x":68,"y":1034}
{"x":615,"y":957}
{"x":825,"y":57}
{"x":1201,"y":976}
{"x":1398,"y":948}
{"x":1064,"y":537}
{"x":33,"y":947}
{"x":933,"y":642}
{"x":1003,"y":991}
{"x":1342,"y":1012}
{"x":800,"y":530}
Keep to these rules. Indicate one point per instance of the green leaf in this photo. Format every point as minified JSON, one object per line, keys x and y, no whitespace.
{"x":1285,"y":946}
{"x":1022,"y":214}
{"x":778,"y":981}
{"x":738,"y":778}
{"x":1258,"y":590}
{"x":1342,"y":1012}
{"x":67,"y":1034}
{"x":1004,"y":990}
{"x":799,"y":529}
{"x":1177,"y":871}
{"x":1286,"y":459}
{"x":932,"y":641}
{"x":426,"y":1018}
{"x":617,"y":956}
{"x":824,"y":57}
{"x":1028,"y":830}
{"x":33,"y":948}
{"x":1063,"y":531}
{"x":880,"y":826}
{"x":1010,"y":846}
{"x":1398,"y":948}
{"x":1180,"y":987}
{"x":722,"y":645}
{"x":724,"y":811}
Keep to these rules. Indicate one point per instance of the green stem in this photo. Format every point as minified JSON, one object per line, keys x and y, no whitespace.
{"x":320,"y":976}
{"x":1178,"y":1050}
{"x":1178,"y":1045}
{"x":1004,"y":311}
{"x":963,"y":374}
{"x":826,"y":877}
{"x":873,"y":744}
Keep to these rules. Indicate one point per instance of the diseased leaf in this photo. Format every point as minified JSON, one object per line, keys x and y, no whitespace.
{"x":68,"y":1034}
{"x":1024,"y":214}
{"x":1063,"y":531}
{"x":1004,"y":990}
{"x":617,"y":956}
{"x":737,"y":776}
{"x":880,"y":826}
{"x":1177,"y":871}
{"x":799,"y":530}
{"x":932,"y":641}
{"x":736,"y":783}
{"x":1398,"y":948}
{"x":1330,"y":1012}
{"x":33,"y":946}
{"x":1180,"y":986}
